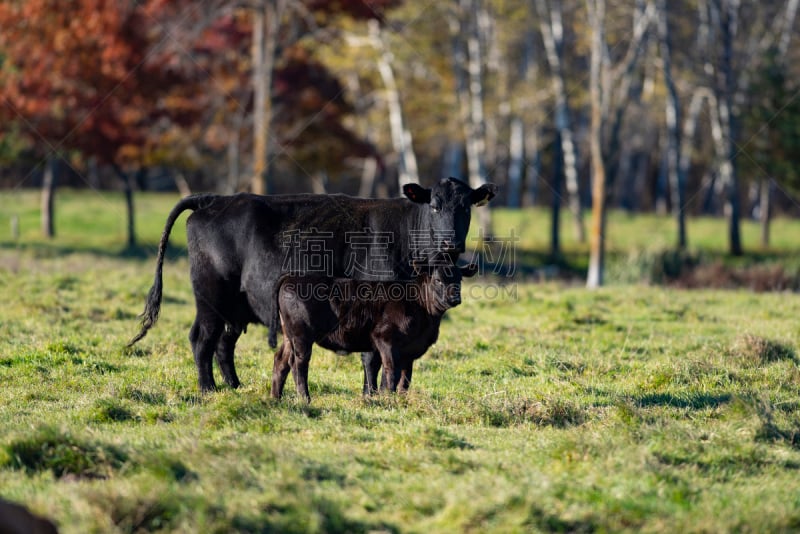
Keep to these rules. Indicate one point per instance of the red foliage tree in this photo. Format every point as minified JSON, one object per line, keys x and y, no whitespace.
{"x":94,"y":77}
{"x":89,"y":75}
{"x":133,"y":83}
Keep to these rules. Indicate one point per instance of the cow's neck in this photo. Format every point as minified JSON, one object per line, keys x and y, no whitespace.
{"x":426,"y":300}
{"x":422,"y":223}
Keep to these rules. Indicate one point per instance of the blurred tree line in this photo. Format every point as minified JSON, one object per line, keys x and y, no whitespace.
{"x":683,"y":107}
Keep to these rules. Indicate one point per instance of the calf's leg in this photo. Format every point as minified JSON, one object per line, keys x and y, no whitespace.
{"x":371,"y":362}
{"x":391,"y":366}
{"x":280,"y":369}
{"x":301,"y":356}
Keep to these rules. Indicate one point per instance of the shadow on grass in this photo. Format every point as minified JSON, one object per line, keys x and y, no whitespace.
{"x":547,"y":521}
{"x":294,"y":516}
{"x":695,"y":401}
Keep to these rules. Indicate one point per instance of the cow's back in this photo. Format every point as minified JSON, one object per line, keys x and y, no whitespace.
{"x":247,"y":241}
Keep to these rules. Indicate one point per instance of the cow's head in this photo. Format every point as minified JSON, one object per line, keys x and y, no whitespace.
{"x":449,"y":202}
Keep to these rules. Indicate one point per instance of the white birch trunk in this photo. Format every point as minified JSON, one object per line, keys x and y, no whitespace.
{"x":595,"y":274}
{"x":469,"y":85}
{"x":552,"y":34}
{"x":516,"y":153}
{"x":368,"y":173}
{"x":401,"y":137}
{"x":787,"y":27}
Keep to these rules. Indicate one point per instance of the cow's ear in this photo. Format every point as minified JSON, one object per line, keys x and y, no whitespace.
{"x":418,"y":265}
{"x":417,"y":193}
{"x":470,"y":270}
{"x":483,"y":194}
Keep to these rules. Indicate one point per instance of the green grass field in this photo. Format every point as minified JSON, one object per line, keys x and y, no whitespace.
{"x":543,"y":407}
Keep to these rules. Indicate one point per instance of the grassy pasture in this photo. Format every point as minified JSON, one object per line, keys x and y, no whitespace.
{"x":543,"y":407}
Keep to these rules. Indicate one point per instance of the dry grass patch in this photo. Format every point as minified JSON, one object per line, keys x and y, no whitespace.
{"x":757,"y":350}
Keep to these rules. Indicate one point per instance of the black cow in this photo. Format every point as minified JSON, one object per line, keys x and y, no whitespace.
{"x":240,"y":245}
{"x":398,"y":319}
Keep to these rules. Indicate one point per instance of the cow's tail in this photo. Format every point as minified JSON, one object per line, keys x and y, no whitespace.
{"x":152,"y":305}
{"x":274,"y":325}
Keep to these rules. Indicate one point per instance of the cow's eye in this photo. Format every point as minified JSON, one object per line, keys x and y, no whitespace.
{"x":435,"y":208}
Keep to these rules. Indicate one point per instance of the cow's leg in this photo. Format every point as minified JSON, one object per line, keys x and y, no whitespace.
{"x":301,"y":356}
{"x":204,"y":336}
{"x":371,"y":362}
{"x":224,"y":355}
{"x":280,"y":369}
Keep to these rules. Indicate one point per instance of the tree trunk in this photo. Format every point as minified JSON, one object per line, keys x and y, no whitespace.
{"x":401,"y":137}
{"x":555,"y":211}
{"x":469,"y":85}
{"x":533,"y":168}
{"x":699,"y":96}
{"x":629,"y":92}
{"x":127,"y":189}
{"x":662,"y":181}
{"x":714,"y":188}
{"x":552,"y":34}
{"x":130,"y":211}
{"x":182,"y":184}
{"x":677,"y":179}
{"x":49,"y":180}
{"x":93,"y":173}
{"x":261,"y":94}
{"x":319,"y":182}
{"x":516,"y":156}
{"x":531,"y":160}
{"x":728,"y":26}
{"x":788,"y":23}
{"x":598,"y":228}
{"x":234,"y":154}
{"x":476,"y":125}
{"x":453,"y":159}
{"x":14,"y":227}
{"x":636,"y":178}
{"x":232,"y":184}
{"x":368,"y":173}
{"x":266,"y":23}
{"x":765,"y":210}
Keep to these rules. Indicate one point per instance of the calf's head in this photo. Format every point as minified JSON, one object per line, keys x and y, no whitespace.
{"x":441,"y":284}
{"x":448,"y":215}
